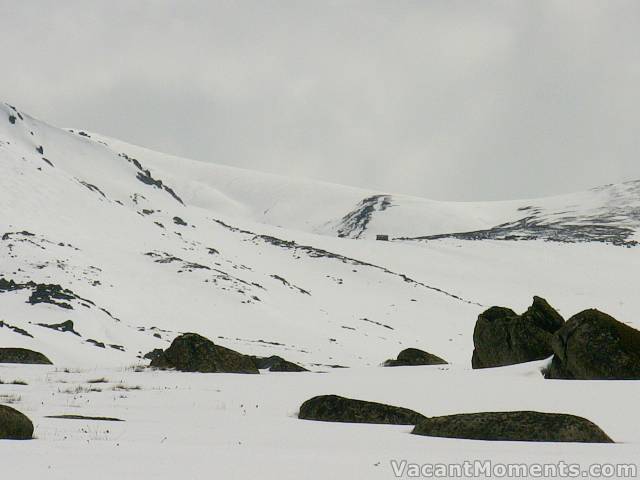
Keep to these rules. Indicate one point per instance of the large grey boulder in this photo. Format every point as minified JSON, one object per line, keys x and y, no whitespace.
{"x":595,"y":346}
{"x":23,"y":355}
{"x":191,"y":352}
{"x":502,"y":337}
{"x":333,"y":408}
{"x":14,"y":425}
{"x":523,"y":426}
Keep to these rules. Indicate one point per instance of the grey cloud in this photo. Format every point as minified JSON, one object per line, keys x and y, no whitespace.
{"x":442,"y":99}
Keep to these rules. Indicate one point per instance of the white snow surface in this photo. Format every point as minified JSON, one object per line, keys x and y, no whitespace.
{"x":273,"y":265}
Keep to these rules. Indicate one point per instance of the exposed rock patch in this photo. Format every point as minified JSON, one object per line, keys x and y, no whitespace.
{"x":23,"y":355}
{"x":191,"y":352}
{"x":14,"y":425}
{"x":502,"y":337}
{"x":595,"y":346}
{"x":275,"y":363}
{"x":520,"y":426}
{"x":414,"y":357}
{"x":333,"y":408}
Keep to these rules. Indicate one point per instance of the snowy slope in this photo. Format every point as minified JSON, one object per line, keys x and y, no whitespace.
{"x":159,"y":245}
{"x":146,"y":245}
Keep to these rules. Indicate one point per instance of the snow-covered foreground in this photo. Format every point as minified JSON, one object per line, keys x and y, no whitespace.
{"x":202,"y":426}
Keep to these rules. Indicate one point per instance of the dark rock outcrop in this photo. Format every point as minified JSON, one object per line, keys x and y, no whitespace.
{"x":22,"y":355}
{"x":275,"y":363}
{"x":66,"y":326}
{"x":191,"y":352}
{"x":154,"y":354}
{"x":595,"y":346}
{"x":502,"y":337}
{"x":333,"y":408}
{"x":513,"y":426}
{"x":14,"y":425}
{"x":414,"y":357}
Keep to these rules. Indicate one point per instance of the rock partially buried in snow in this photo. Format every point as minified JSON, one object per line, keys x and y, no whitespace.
{"x":523,"y":426}
{"x":191,"y":352}
{"x":502,"y":337}
{"x":275,"y":363}
{"x":333,"y":408}
{"x":595,"y":346}
{"x":14,"y":425}
{"x":23,"y":355}
{"x":414,"y":357}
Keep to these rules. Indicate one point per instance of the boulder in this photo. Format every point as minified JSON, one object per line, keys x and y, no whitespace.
{"x":502,"y":337}
{"x":520,"y":426}
{"x":595,"y":346}
{"x":413,"y":357}
{"x":333,"y":408}
{"x":22,"y":355}
{"x":14,"y":425}
{"x":191,"y":352}
{"x":275,"y":363}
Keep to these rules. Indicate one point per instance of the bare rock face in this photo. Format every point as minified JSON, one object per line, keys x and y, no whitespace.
{"x":23,"y":355}
{"x":14,"y":425}
{"x":595,"y":346}
{"x":191,"y":352}
{"x":502,"y":337}
{"x":414,"y":357}
{"x":333,"y":408}
{"x":521,"y":426}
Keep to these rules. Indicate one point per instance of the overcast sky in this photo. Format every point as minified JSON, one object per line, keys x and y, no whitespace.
{"x":460,"y":100}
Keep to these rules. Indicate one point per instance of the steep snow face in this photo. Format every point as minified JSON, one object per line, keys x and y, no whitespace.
{"x":146,"y":245}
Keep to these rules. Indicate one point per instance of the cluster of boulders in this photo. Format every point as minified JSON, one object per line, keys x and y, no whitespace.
{"x":591,"y":345}
{"x":191,"y":352}
{"x":497,"y":426}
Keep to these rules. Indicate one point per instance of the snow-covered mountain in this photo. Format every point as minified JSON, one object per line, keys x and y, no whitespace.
{"x":145,"y":245}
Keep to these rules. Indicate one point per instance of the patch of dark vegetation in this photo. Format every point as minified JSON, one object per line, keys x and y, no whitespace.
{"x":23,"y":356}
{"x":15,"y":329}
{"x":354,"y":224}
{"x":145,"y":177}
{"x":40,"y":149}
{"x":83,"y":417}
{"x":333,"y":408}
{"x":275,"y":363}
{"x":520,"y":426}
{"x":414,"y":357}
{"x":314,"y":252}
{"x":595,"y":346}
{"x":179,"y":221}
{"x":502,"y":337}
{"x":46,"y":160}
{"x":191,"y":352}
{"x":117,"y":347}
{"x":12,"y":119}
{"x":147,"y":211}
{"x":14,"y":425}
{"x":66,"y":327}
